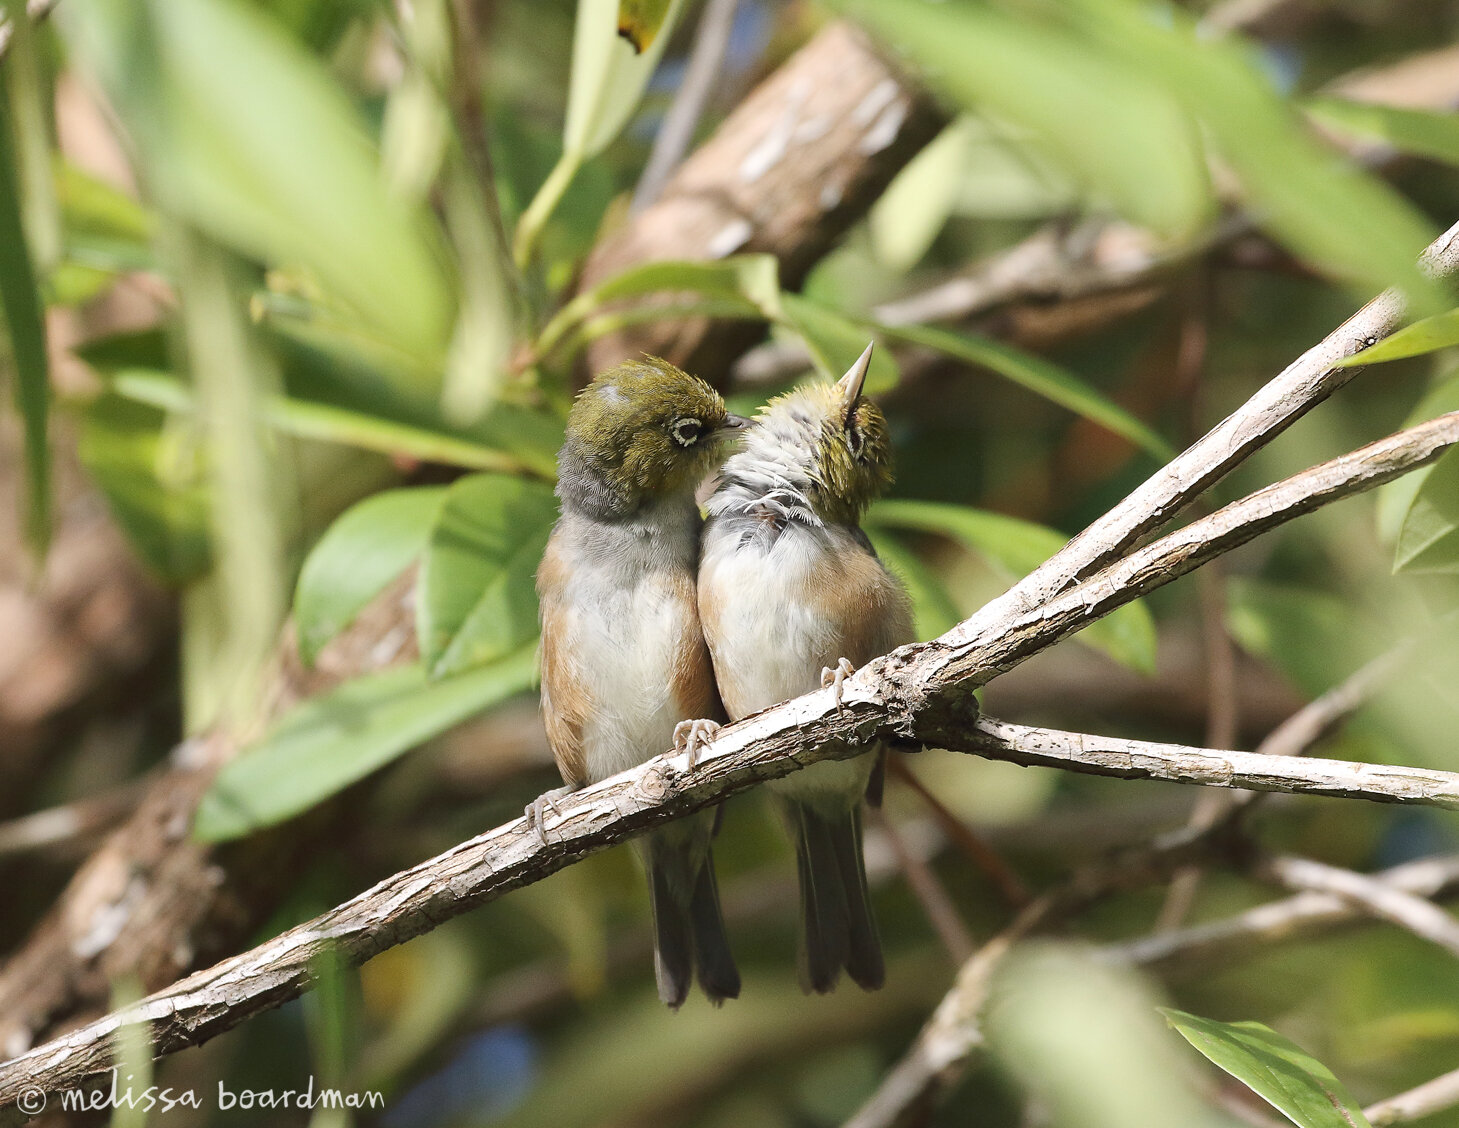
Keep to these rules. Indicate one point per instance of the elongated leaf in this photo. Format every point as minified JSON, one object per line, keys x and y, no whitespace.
{"x":153,"y":483}
{"x":1016,"y":548}
{"x":917,"y":203}
{"x":1041,"y":377}
{"x":478,"y":599}
{"x":249,"y":138}
{"x":361,"y":553}
{"x":640,"y":21}
{"x":1275,"y":1068}
{"x":1424,"y":133}
{"x":1111,"y":127}
{"x":325,"y":422}
{"x":1336,"y":216}
{"x":1396,"y":498}
{"x":21,"y":303}
{"x":1431,"y":334}
{"x":329,"y":742}
{"x":609,"y":74}
{"x":835,"y":341}
{"x":748,"y":282}
{"x":1429,"y":539}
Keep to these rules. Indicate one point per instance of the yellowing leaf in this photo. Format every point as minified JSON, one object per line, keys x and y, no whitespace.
{"x":640,"y":21}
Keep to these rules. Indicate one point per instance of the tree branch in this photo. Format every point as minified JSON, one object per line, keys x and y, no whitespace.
{"x":787,"y":173}
{"x":1374,"y":896}
{"x":711,"y":39}
{"x":1293,"y":918}
{"x":1305,"y":383}
{"x":1424,"y":1100}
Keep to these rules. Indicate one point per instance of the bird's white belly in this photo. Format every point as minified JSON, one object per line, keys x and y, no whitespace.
{"x":629,"y":640}
{"x":770,"y":642}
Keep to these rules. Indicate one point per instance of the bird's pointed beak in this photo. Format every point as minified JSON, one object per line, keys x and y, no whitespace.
{"x":849,"y":386}
{"x":734,"y":422}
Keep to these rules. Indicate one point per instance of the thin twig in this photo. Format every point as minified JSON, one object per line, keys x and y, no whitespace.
{"x":1305,"y":383}
{"x":1223,"y":705}
{"x":1419,"y":916}
{"x":982,"y":855}
{"x":929,"y":891}
{"x":1304,"y":728}
{"x":711,"y":39}
{"x":69,"y":824}
{"x":1424,"y":1100}
{"x":984,"y":646}
{"x":1293,"y":918}
{"x":954,"y":1031}
{"x":941,"y":1052}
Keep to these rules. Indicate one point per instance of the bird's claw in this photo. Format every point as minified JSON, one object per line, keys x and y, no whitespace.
{"x":837,"y":677}
{"x":689,"y":736}
{"x":547,"y":801}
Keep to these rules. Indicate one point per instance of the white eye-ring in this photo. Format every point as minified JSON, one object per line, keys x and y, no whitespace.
{"x":686,"y":431}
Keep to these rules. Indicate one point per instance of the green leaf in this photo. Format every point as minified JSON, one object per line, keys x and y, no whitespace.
{"x":1275,"y":1068}
{"x":325,"y":422}
{"x":836,"y":340}
{"x":1016,"y":548}
{"x":910,"y":213}
{"x":1428,"y":335}
{"x":1108,"y":124}
{"x":153,"y":480}
{"x":92,"y":206}
{"x":20,"y":301}
{"x":609,"y":75}
{"x":328,"y":742}
{"x":1040,"y":377}
{"x":1429,"y":539}
{"x":1343,"y":220}
{"x":932,"y":608}
{"x":640,"y":21}
{"x":365,"y":549}
{"x":1424,"y":133}
{"x":748,"y":282}
{"x":252,"y":140}
{"x":478,"y":598}
{"x":1396,"y":498}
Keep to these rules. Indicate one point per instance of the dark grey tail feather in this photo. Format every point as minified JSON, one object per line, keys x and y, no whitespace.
{"x":863,"y":945}
{"x":673,"y":940}
{"x":689,"y":930}
{"x":718,"y":976}
{"x":838,"y":929}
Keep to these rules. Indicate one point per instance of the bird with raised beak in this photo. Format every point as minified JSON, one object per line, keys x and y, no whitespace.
{"x":625,"y":670}
{"x":793,"y":597}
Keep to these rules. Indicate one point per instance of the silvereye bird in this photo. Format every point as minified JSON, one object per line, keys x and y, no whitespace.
{"x":625,"y":670}
{"x":793,"y":597}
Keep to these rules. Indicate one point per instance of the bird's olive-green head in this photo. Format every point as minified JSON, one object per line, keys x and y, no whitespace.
{"x":642,"y":430}
{"x":826,"y":442}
